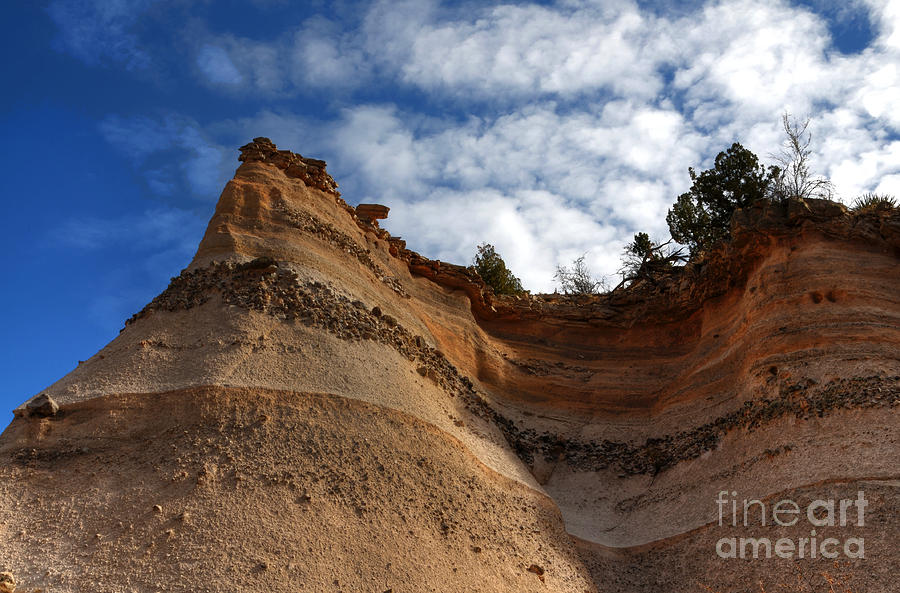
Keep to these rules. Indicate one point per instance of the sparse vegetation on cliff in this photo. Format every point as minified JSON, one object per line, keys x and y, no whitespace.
{"x":645,"y":259}
{"x":793,"y":179}
{"x":701,"y":216}
{"x":492,"y":269}
{"x":872,"y":202}
{"x":577,"y":279}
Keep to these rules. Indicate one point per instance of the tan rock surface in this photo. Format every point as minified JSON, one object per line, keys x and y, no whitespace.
{"x":310,"y":403}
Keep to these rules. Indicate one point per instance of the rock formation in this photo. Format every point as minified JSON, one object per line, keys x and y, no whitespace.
{"x":312,"y":406}
{"x":372,"y":213}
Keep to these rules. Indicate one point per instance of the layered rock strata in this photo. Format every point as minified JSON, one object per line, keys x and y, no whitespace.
{"x":309,"y":389}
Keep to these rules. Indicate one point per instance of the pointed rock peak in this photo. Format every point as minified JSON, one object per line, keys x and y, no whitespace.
{"x":310,"y":171}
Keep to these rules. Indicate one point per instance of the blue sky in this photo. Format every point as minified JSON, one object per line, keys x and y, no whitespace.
{"x":550,"y":129}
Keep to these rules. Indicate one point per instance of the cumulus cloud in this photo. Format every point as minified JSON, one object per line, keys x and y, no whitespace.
{"x":730,"y":67}
{"x":752,"y":58}
{"x":240,"y":64}
{"x":551,"y":129}
{"x":507,"y":49}
{"x":321,"y":55}
{"x":534,"y":230}
{"x":532,"y":49}
{"x":886,"y":16}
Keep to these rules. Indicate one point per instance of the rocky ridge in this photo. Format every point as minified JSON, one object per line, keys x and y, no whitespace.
{"x":310,"y":171}
{"x":767,"y":368}
{"x":678,"y":293}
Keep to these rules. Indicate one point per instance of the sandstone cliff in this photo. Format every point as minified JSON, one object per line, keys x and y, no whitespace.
{"x":312,"y":406}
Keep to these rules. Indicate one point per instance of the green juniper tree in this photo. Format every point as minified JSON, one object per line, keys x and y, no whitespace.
{"x":492,"y":269}
{"x":645,"y":259}
{"x":701,"y":216}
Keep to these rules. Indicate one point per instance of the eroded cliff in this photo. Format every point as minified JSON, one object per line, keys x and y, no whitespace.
{"x":309,"y":390}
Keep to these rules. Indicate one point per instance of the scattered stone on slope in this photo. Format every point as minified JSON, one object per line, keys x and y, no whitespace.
{"x":543,"y":368}
{"x":655,"y":455}
{"x":43,"y":406}
{"x":308,"y":223}
{"x":7,"y":582}
{"x":534,"y":568}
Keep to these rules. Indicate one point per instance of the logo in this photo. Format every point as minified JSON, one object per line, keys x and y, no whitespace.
{"x":753,"y":513}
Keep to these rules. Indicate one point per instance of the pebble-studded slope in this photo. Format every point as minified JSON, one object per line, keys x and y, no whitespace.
{"x":262,"y":285}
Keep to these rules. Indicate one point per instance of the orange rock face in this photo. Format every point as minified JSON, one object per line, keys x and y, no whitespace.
{"x":309,"y":389}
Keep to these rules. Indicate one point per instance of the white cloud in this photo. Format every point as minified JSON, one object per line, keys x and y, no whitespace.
{"x":507,"y":49}
{"x":886,"y":15}
{"x":889,"y":184}
{"x":877,"y":168}
{"x":316,"y":55}
{"x":570,"y":125}
{"x":322,"y":56}
{"x":377,"y":145}
{"x":759,"y":58}
{"x":217,"y":67}
{"x":100,"y":30}
{"x":138,"y":137}
{"x":530,"y":49}
{"x":532,"y":230}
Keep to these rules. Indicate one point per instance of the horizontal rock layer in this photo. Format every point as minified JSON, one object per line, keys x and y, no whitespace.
{"x":589,"y":436}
